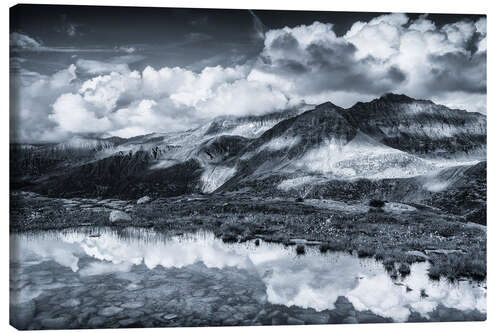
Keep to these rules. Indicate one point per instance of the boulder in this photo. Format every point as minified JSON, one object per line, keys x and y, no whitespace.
{"x":117,"y":216}
{"x":143,"y":200}
{"x":110,"y":311}
{"x":418,"y":254}
{"x":58,"y":323}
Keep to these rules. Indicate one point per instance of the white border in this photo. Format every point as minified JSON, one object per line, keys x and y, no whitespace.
{"x":420,"y":6}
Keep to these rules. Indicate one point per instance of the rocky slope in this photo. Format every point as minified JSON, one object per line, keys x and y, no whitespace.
{"x":420,"y":126}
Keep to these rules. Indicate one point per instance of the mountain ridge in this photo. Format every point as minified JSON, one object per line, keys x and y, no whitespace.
{"x":389,"y":137}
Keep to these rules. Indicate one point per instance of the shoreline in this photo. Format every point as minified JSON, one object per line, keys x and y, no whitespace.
{"x":398,"y":235}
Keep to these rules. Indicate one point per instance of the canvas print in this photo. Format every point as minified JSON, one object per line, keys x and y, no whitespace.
{"x":216,"y":167}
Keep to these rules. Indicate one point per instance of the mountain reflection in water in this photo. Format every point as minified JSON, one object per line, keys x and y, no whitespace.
{"x":313,"y":280}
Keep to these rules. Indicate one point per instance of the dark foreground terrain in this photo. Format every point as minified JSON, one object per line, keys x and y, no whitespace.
{"x":394,"y":233}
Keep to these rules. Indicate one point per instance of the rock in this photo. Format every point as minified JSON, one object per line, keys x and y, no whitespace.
{"x":296,"y":241}
{"x":133,"y":286}
{"x":448,"y":314}
{"x":127,"y":322}
{"x":199,"y":293}
{"x":367,"y":317}
{"x":70,"y":303}
{"x":443,"y":251}
{"x":43,"y":279}
{"x":132,"y":305}
{"x":184,"y":276}
{"x":96,"y":322}
{"x":342,"y":306}
{"x":117,"y":216}
{"x":350,"y":320}
{"x":135,"y":313}
{"x":315,"y":318}
{"x":169,"y":316}
{"x":294,"y":321}
{"x":418,"y":254}
{"x":130,"y":276}
{"x":110,"y":311}
{"x":217,"y":287}
{"x":260,"y":316}
{"x":55,"y":323}
{"x":260,"y":296}
{"x":277,"y":320}
{"x":143,"y":200}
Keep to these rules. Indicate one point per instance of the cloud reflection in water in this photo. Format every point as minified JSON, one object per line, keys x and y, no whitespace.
{"x":314,"y":280}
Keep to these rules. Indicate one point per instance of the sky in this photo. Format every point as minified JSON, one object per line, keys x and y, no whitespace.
{"x":128,"y":71}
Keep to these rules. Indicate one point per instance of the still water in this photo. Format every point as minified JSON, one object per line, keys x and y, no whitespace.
{"x":96,"y":278}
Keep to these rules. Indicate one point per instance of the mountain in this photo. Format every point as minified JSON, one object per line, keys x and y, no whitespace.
{"x":394,"y":139}
{"x":420,"y":126}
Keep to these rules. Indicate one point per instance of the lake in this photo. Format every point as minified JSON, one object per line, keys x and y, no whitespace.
{"x":97,"y":278}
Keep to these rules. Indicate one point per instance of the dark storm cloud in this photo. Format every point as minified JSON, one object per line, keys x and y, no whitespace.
{"x":285,"y":42}
{"x":338,"y":69}
{"x":324,"y":66}
{"x":458,"y":72}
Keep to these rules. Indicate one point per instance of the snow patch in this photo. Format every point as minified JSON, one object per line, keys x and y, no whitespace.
{"x":289,"y":184}
{"x":436,"y":186}
{"x":280,"y":143}
{"x":363,"y":157}
{"x":251,"y":130}
{"x":214,"y":177}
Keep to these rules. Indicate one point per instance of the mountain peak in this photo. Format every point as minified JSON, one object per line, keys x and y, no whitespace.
{"x":328,"y":105}
{"x":396,"y":98}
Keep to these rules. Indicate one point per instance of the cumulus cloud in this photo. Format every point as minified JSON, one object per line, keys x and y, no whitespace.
{"x":306,"y":63}
{"x":31,"y":96}
{"x":388,"y":53}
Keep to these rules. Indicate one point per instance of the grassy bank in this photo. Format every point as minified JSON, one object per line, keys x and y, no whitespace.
{"x":455,"y":249}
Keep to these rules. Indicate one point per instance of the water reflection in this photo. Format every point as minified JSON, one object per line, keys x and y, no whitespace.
{"x":311,"y":281}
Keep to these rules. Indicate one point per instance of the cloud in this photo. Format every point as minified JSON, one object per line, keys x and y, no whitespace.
{"x":71,"y":30}
{"x":100,"y":67}
{"x":23,"y":42}
{"x":127,"y":49}
{"x":68,"y":28}
{"x":32,"y":96}
{"x":258,"y":26}
{"x":388,"y":53}
{"x":306,"y":63}
{"x":196,"y":37}
{"x":20,"y":42}
{"x":81,"y":119}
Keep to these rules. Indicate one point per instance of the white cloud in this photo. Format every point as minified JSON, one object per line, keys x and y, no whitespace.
{"x":304,"y":63}
{"x":96,"y":67}
{"x":72,"y":114}
{"x":388,"y":53}
{"x":127,"y":49}
{"x":244,"y":97}
{"x":32,"y":96}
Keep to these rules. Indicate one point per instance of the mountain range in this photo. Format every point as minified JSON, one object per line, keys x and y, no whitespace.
{"x":393,"y":147}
